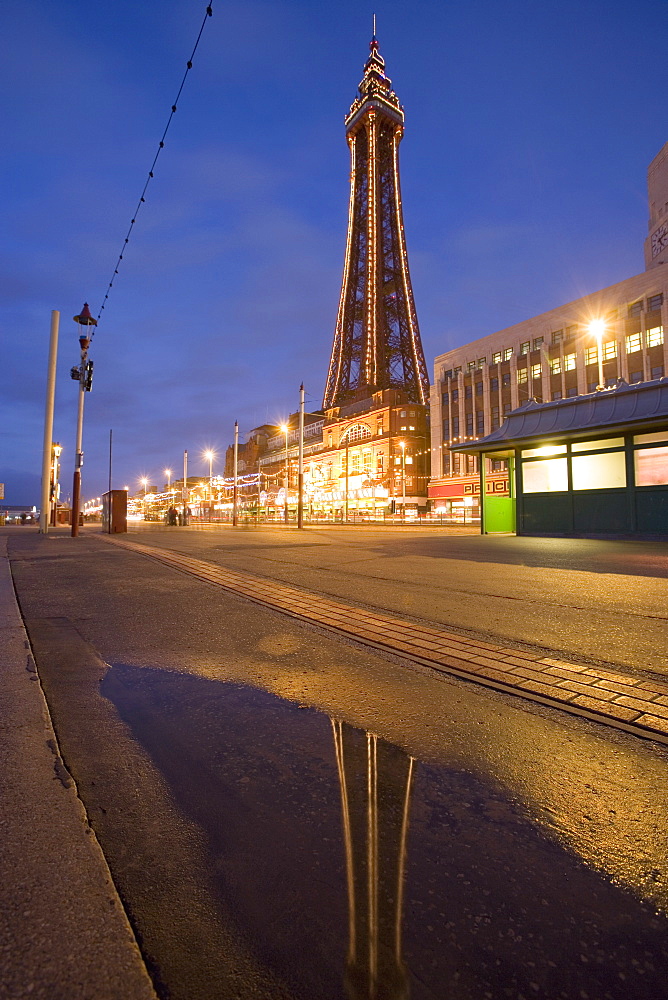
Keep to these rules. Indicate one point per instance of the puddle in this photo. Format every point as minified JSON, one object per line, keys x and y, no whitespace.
{"x":352,"y":870}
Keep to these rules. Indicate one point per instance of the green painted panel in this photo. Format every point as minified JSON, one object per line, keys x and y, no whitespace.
{"x":499,"y":514}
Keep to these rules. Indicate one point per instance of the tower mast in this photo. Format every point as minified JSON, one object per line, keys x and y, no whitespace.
{"x":377,"y":338}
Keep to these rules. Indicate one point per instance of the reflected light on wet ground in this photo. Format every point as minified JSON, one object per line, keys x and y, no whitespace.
{"x":353,"y":869}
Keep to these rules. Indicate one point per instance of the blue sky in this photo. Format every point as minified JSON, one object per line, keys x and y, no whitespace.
{"x":529,"y":128}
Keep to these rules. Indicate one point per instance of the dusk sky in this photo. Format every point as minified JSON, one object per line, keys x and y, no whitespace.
{"x":529,"y":129}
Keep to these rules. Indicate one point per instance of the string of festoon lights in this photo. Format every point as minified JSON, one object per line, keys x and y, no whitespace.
{"x":161,"y":145}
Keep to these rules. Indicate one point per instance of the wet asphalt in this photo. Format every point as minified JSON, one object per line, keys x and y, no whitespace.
{"x":288,"y":815}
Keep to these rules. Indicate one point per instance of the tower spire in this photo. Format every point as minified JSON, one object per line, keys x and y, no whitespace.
{"x":377,"y":339}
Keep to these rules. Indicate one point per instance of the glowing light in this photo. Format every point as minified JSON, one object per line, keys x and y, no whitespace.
{"x":597,"y":328}
{"x":549,"y":450}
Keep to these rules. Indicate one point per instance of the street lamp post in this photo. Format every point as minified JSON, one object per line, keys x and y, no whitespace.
{"x":83,"y":375}
{"x":236,"y":477}
{"x":300,"y":477}
{"x":597,"y":329}
{"x":285,"y":429}
{"x":209,"y":455}
{"x":402,"y":445}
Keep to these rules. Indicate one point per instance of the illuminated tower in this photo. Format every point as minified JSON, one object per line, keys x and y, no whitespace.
{"x":377,"y":340}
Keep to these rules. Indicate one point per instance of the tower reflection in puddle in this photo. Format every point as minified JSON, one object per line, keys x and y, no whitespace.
{"x":376,"y":781}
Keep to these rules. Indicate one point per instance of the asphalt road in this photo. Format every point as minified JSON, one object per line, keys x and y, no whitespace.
{"x":284,"y":812}
{"x":606,"y":601}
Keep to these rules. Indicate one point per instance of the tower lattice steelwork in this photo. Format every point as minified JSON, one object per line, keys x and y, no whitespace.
{"x":377,"y":340}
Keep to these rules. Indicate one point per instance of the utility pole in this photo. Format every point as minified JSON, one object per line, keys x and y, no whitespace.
{"x":45,"y":509}
{"x":300,"y":478}
{"x":236,"y":467}
{"x":84,"y":376}
{"x":184,"y":494}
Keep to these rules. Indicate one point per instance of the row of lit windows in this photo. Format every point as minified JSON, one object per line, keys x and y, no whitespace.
{"x":595,"y":465}
{"x":633,"y":342}
{"x":654,"y":302}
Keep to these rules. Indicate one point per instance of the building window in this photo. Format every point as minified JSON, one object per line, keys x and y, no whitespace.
{"x":610,"y":350}
{"x":455,"y":426}
{"x":470,"y":366}
{"x":481,"y":362}
{"x":654,"y":302}
{"x":507,"y":354}
{"x":457,"y":370}
{"x":573,"y":391}
{"x":599,"y":472}
{"x":505,"y":379}
{"x":522,"y":376}
{"x":507,"y":407}
{"x":496,"y":357}
{"x":444,"y":398}
{"x":358,"y":432}
{"x":499,"y":465}
{"x":536,"y":371}
{"x":468,"y":391}
{"x":355,"y":462}
{"x":591,"y":355}
{"x":635,"y":377}
{"x":455,"y":395}
{"x":446,"y":464}
{"x":570,"y":332}
{"x":633,"y":343}
{"x":478,"y":388}
{"x":469,"y":424}
{"x":379,"y":464}
{"x":494,"y":384}
{"x":446,"y":430}
{"x":525,"y":347}
{"x":557,"y":336}
{"x":655,"y":336}
{"x":651,"y":465}
{"x":657,"y":371}
{"x":538,"y":343}
{"x":402,"y":413}
{"x":635,"y":308}
{"x":569,"y":362}
{"x":495,"y":417}
{"x":549,"y":475}
{"x":555,"y":366}
{"x":447,"y":375}
{"x":557,"y":394}
{"x":480,"y":423}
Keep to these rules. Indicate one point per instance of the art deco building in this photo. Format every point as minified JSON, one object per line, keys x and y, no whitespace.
{"x":549,"y":357}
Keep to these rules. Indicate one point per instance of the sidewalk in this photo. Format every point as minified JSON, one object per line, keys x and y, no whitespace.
{"x":63,"y":932}
{"x":628,"y":701}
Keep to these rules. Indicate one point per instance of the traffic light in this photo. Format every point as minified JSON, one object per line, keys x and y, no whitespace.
{"x":75,"y":373}
{"x":88,"y":376}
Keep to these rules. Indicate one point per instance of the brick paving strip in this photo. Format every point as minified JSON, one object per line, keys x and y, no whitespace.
{"x":630,"y":702}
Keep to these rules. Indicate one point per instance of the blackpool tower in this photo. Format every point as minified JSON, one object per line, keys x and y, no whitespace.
{"x":377,"y":339}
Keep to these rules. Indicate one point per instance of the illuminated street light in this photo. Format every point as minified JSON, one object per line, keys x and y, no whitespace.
{"x":168,"y":473}
{"x":284,"y":428}
{"x":597,"y":329}
{"x":209,"y":456}
{"x":402,"y":445}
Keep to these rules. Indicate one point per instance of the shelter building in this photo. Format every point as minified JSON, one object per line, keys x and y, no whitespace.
{"x":592,"y":465}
